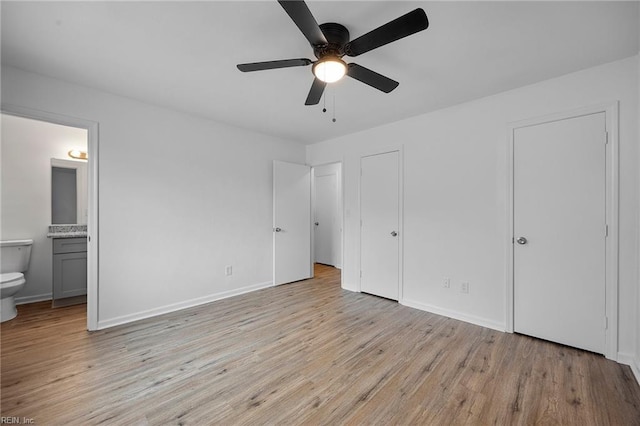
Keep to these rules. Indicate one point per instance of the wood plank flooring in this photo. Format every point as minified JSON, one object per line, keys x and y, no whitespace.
{"x":302,"y":353}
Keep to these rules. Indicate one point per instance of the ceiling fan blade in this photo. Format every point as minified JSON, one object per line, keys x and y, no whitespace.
{"x":269,"y":65}
{"x":372,"y":78}
{"x":401,"y":27}
{"x":317,"y":88}
{"x":302,"y":17}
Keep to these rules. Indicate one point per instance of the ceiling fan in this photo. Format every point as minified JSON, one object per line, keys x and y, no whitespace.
{"x":330,"y":42}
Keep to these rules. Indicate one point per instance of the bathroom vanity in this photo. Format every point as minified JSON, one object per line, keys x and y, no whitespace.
{"x":69,"y":264}
{"x":69,"y":231}
{"x":69,"y":267}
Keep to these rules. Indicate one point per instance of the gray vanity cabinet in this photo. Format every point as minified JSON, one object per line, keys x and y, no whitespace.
{"x":69,"y":267}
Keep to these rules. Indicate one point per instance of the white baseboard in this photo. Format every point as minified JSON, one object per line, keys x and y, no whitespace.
{"x":483,"y":322}
{"x":124,"y":319}
{"x":350,"y":287}
{"x":632,"y":361}
{"x":32,"y":299}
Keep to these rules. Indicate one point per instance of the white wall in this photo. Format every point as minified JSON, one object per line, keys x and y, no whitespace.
{"x":180,"y":198}
{"x":455,"y":171}
{"x":637,"y":354}
{"x":27,"y":148}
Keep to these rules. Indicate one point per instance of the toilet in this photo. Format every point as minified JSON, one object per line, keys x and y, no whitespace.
{"x":14,"y":260}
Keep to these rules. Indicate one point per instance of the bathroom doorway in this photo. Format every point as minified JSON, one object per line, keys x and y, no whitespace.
{"x":71,"y":129}
{"x":327,"y":215}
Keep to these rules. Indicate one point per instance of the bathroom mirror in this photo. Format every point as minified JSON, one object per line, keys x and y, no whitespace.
{"x":68,"y":192}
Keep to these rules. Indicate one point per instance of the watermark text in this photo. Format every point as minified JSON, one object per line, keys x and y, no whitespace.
{"x":14,"y":420}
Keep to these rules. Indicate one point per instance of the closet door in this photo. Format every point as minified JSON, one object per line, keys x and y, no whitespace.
{"x":560,"y":231}
{"x":380,"y":219}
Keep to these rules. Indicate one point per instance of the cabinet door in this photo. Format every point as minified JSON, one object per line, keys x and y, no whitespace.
{"x":69,"y":245}
{"x":69,"y":275}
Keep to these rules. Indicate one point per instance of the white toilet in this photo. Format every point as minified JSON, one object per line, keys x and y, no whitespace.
{"x":14,"y":260}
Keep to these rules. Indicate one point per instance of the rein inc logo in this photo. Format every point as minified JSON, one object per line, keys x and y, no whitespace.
{"x":6,"y":420}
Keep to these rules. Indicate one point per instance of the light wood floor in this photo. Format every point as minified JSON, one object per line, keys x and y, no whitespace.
{"x":302,"y":353}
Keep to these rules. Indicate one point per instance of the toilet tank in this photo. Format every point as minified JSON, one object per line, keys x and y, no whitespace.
{"x":14,"y":255}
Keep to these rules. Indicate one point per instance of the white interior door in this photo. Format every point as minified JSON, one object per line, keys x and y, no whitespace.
{"x":291,"y":222}
{"x":560,"y":230}
{"x":380,"y":218}
{"x":326,"y":220}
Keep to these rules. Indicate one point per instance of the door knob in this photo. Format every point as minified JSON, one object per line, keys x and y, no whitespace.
{"x":277,"y":229}
{"x":394,"y":233}
{"x":521,"y":240}
{"x":317,"y":223}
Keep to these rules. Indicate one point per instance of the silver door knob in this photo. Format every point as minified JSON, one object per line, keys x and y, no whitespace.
{"x":521,"y":240}
{"x":277,"y":229}
{"x":394,"y":234}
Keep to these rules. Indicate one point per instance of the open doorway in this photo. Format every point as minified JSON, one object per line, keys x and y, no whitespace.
{"x":327,"y":214}
{"x":32,"y":171}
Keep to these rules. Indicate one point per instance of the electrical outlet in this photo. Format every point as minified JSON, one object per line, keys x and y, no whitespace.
{"x":464,"y":287}
{"x":446,"y":282}
{"x":228,"y":270}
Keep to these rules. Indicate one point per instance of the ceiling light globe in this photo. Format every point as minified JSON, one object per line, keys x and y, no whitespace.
{"x":330,"y":69}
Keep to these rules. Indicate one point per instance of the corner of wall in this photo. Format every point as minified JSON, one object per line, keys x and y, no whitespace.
{"x":635,"y":367}
{"x":636,"y":361}
{"x":350,"y":286}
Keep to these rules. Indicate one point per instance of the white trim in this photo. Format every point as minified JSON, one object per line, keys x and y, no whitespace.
{"x":35,"y":298}
{"x":630,"y":360}
{"x":92,"y":220}
{"x":612,"y":204}
{"x":343,"y":219}
{"x":401,"y":223}
{"x":625,"y":358}
{"x":400,"y":150}
{"x":125,"y":319}
{"x":472,"y":319}
{"x":312,"y":249}
{"x":508,"y":311}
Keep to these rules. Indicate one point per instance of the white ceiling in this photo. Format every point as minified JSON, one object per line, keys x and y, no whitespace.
{"x":183,"y":55}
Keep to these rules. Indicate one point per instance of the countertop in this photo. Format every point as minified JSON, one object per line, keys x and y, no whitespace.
{"x":67,"y":231}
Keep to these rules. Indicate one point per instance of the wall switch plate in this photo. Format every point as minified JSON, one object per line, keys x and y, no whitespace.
{"x":446,"y":282}
{"x":464,"y":287}
{"x":228,"y":270}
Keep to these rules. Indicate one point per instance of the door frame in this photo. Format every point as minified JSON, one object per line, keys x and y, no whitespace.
{"x":92,"y":194}
{"x":340,"y":216}
{"x":400,"y":150}
{"x":611,"y":206}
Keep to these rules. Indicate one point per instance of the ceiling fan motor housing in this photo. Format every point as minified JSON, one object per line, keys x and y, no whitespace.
{"x":330,"y":42}
{"x":337,"y":36}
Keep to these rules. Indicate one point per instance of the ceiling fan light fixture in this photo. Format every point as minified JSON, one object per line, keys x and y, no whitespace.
{"x":329,"y":69}
{"x":331,"y":41}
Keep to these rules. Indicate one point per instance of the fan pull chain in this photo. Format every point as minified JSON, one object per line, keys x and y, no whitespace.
{"x":324,"y":101}
{"x":334,"y":107}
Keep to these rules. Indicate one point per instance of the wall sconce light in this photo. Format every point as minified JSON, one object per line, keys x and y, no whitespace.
{"x":77,"y":154}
